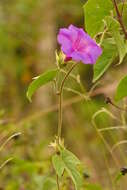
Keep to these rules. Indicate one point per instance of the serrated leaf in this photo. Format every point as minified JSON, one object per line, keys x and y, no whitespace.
{"x":105,"y":60}
{"x":121,"y":91}
{"x":114,"y":28}
{"x":95,"y":11}
{"x":58,"y":164}
{"x":40,"y":81}
{"x":70,"y":162}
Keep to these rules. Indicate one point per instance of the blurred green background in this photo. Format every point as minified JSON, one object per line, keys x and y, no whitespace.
{"x":28,"y":39}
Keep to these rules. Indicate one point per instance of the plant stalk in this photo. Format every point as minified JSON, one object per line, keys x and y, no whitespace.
{"x":58,"y":185}
{"x":60,"y":93}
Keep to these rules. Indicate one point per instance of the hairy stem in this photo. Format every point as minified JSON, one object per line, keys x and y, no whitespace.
{"x":120,"y":18}
{"x":60,"y":93}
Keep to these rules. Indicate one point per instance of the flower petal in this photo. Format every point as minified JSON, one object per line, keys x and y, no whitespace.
{"x":79,"y":45}
{"x":80,"y":56}
{"x":93,"y":50}
{"x":65,"y":41}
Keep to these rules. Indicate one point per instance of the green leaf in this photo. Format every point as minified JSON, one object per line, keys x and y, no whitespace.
{"x":114,"y":28}
{"x":40,"y":81}
{"x":75,"y":176}
{"x":70,"y":162}
{"x":70,"y":157}
{"x":58,"y":164}
{"x":105,"y":60}
{"x":95,"y":11}
{"x":92,"y":187}
{"x":121,"y":91}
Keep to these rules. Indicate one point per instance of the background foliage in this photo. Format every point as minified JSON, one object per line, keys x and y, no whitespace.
{"x":28,"y":30}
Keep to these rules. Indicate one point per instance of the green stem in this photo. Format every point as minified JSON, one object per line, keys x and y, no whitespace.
{"x":58,"y":185}
{"x":60,"y":93}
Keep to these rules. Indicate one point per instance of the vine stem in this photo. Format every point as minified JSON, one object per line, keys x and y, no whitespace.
{"x":58,"y":185}
{"x":120,"y":18}
{"x":60,"y":93}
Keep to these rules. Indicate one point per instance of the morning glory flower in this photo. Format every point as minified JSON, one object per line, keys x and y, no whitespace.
{"x":77,"y":45}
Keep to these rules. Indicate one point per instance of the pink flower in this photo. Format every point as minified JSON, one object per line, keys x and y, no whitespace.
{"x":78,"y":45}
